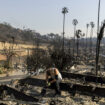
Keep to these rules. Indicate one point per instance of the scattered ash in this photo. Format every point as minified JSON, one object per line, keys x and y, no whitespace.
{"x":33,"y":91}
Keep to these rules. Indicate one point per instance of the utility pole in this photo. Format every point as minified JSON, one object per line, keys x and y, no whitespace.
{"x":98,"y":21}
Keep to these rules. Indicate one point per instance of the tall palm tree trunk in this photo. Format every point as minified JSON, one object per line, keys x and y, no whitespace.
{"x":63,"y":32}
{"x":86,"y":38}
{"x":74,"y":40}
{"x":77,"y":46}
{"x":91,"y":43}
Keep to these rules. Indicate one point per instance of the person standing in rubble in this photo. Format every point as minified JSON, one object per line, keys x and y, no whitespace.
{"x":53,"y":80}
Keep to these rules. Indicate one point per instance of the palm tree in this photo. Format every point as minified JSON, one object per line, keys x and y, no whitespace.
{"x":100,"y":36}
{"x":91,"y":34}
{"x":74,"y":22}
{"x":87,"y":26}
{"x":64,"y":11}
{"x":78,"y":34}
{"x":83,"y":35}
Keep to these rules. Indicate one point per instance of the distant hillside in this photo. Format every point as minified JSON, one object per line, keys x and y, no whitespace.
{"x":8,"y":33}
{"x":28,"y":36}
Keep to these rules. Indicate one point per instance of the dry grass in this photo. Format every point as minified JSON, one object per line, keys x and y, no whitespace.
{"x":2,"y":57}
{"x":21,"y":49}
{"x":16,"y":46}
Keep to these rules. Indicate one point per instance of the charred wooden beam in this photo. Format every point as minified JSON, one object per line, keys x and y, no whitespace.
{"x":88,"y":78}
{"x":81,"y":89}
{"x":85,"y":90}
{"x":17,"y":94}
{"x":33,"y":81}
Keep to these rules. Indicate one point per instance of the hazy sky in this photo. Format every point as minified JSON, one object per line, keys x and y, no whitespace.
{"x":45,"y":16}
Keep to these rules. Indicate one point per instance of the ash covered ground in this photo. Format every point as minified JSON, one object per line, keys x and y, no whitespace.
{"x":25,"y":85}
